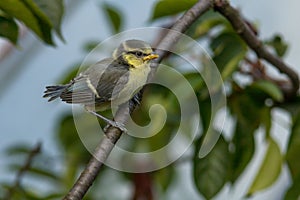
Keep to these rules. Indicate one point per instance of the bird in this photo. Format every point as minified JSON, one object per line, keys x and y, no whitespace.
{"x":110,"y":82}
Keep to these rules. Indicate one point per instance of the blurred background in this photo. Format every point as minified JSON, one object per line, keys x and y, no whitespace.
{"x":27,"y":118}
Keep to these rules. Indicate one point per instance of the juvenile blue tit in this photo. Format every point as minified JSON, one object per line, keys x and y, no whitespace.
{"x":111,"y":81}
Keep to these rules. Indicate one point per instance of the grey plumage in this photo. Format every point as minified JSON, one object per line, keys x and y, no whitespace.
{"x":106,"y":81}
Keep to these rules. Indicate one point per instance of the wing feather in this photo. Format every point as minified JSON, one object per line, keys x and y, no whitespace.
{"x":97,"y":83}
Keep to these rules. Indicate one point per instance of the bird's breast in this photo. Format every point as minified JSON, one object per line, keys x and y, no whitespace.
{"x":136,"y":80}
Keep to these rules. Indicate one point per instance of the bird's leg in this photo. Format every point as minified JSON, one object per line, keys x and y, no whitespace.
{"x":109,"y":122}
{"x":135,"y":101}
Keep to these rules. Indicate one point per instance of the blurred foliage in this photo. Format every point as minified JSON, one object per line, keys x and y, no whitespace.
{"x":8,"y":28}
{"x":114,"y":17}
{"x":269,"y":170}
{"x":269,"y":88}
{"x":41,"y":16}
{"x":210,"y":172}
{"x":294,"y":148}
{"x":165,"y":8}
{"x":251,"y":104}
{"x":279,"y":45}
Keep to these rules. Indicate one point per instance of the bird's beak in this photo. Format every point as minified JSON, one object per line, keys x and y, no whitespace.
{"x":150,"y":57}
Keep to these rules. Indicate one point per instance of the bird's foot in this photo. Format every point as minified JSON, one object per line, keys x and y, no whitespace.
{"x":110,"y":122}
{"x":116,"y":125}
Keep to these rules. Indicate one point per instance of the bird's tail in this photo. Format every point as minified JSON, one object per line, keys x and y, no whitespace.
{"x":54,"y":91}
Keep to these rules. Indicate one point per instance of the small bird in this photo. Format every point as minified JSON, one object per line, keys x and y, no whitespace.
{"x":111,"y":81}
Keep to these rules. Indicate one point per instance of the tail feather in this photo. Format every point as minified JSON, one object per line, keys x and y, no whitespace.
{"x":54,"y":91}
{"x":77,"y":91}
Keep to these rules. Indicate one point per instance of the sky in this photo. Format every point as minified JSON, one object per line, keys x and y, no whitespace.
{"x":28,"y":118}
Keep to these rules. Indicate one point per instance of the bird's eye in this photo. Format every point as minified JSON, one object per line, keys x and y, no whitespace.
{"x":138,"y":53}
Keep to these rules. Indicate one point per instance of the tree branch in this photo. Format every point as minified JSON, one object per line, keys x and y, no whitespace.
{"x":241,"y":27}
{"x":36,"y":150}
{"x":104,"y":148}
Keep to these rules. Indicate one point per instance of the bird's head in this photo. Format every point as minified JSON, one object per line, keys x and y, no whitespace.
{"x":134,"y":53}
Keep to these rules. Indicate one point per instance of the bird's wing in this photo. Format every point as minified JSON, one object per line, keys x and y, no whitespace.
{"x":96,"y":84}
{"x":79,"y":91}
{"x":111,"y":81}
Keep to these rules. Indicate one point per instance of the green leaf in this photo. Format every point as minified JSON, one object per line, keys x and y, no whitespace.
{"x":170,"y":7}
{"x":67,"y":133}
{"x":292,"y":155}
{"x":210,"y":22}
{"x":232,"y":64}
{"x":114,"y":16}
{"x":244,"y":108}
{"x":43,"y":173}
{"x":207,"y":25}
{"x":205,"y":112}
{"x":54,"y":11}
{"x":210,"y":172}
{"x":29,"y":13}
{"x":228,"y":50}
{"x":195,"y":79}
{"x":27,"y":194}
{"x":15,"y":167}
{"x":269,"y":170}
{"x":269,"y":88}
{"x":249,"y":115}
{"x":53,"y":196}
{"x":243,"y":141}
{"x":69,"y":140}
{"x":293,"y":192}
{"x":18,"y":149}
{"x":9,"y":29}
{"x":278,"y":44}
{"x":90,"y":45}
{"x":164,"y":177}
{"x":207,"y":22}
{"x":266,"y":120}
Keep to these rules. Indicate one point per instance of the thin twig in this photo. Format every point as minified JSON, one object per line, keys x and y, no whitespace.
{"x":257,"y":72}
{"x":36,"y":150}
{"x":104,"y":148}
{"x":241,"y":27}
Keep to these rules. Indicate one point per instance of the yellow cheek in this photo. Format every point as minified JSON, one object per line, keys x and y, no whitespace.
{"x":132,"y":60}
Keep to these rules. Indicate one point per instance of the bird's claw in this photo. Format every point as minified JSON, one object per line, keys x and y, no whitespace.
{"x":115,"y":124}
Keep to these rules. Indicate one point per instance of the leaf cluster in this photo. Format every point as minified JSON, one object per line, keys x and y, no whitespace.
{"x":40,"y":16}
